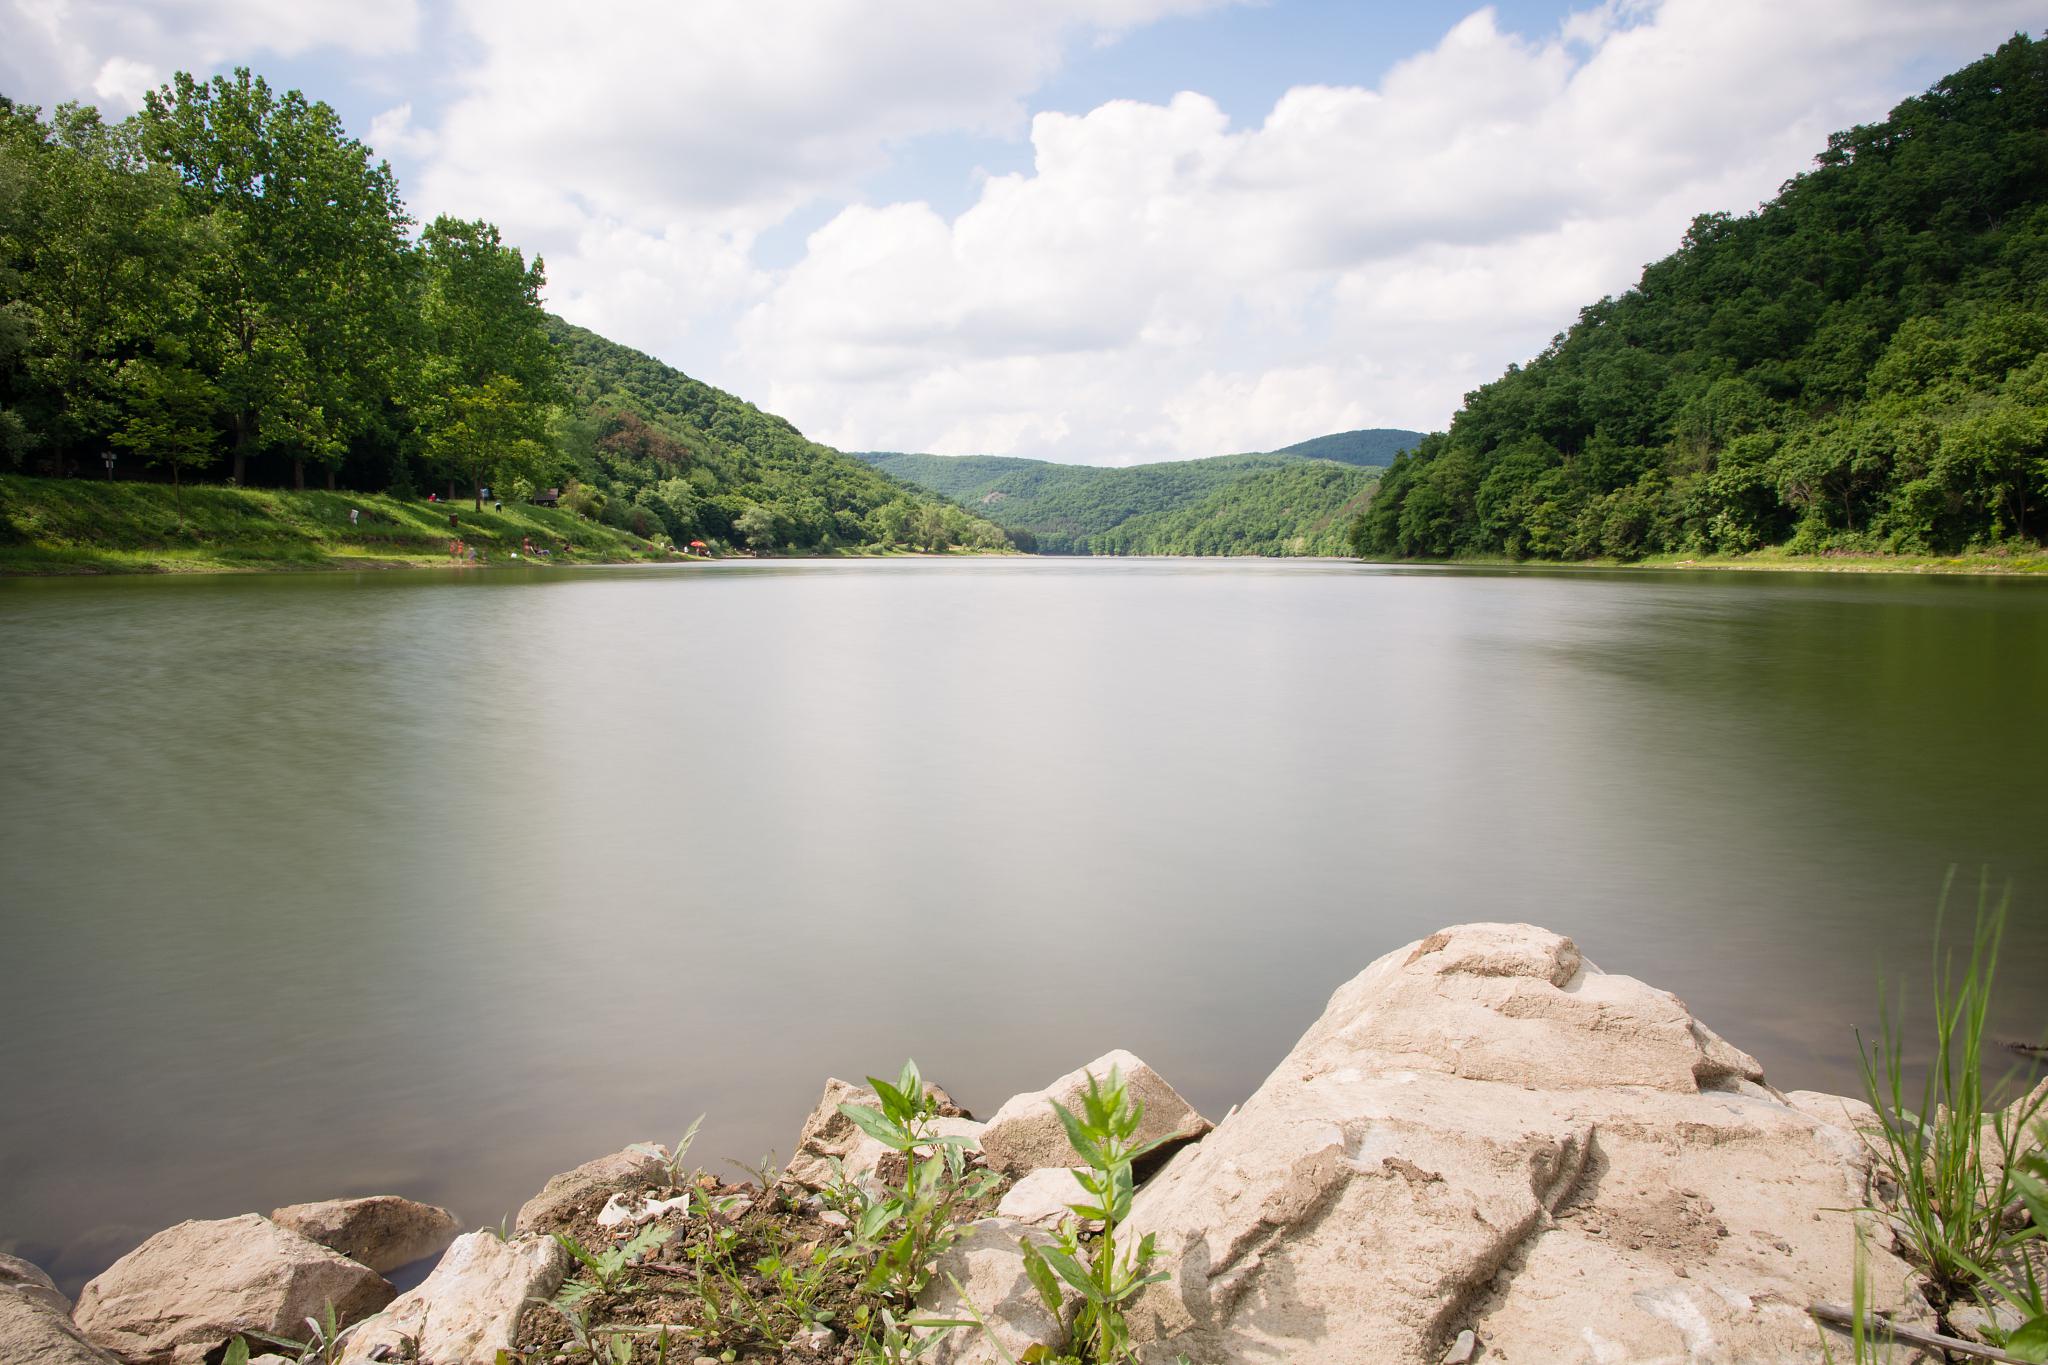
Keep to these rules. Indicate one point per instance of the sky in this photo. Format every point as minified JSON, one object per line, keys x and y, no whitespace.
{"x":1099,"y":231}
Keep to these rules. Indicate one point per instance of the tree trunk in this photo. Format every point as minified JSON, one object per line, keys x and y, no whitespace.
{"x":241,"y":468}
{"x":451,"y":490}
{"x":479,"y":489}
{"x":298,"y":474}
{"x":330,"y":478}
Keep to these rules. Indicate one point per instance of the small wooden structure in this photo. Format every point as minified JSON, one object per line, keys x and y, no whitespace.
{"x":548,"y":497}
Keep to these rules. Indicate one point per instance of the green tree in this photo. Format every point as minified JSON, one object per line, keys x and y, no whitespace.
{"x":488,"y":373}
{"x":303,"y":268}
{"x":171,"y":412}
{"x":101,"y":238}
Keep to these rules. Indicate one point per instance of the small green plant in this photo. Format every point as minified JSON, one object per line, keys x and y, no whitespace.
{"x":2017,"y":1281}
{"x":1105,"y":1134}
{"x":796,"y":1278}
{"x":608,"y":1271}
{"x":672,"y":1157}
{"x":1953,"y":1158}
{"x":324,"y":1346}
{"x":905,"y":1228}
{"x":887,"y":1340}
{"x":237,"y":1352}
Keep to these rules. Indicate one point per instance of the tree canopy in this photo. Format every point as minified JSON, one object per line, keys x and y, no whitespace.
{"x":229,"y":275}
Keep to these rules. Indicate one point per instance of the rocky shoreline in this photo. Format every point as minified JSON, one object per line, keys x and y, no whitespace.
{"x":1485,"y":1149}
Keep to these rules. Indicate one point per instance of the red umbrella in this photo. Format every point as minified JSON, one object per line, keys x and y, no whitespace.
{"x":697,"y":545}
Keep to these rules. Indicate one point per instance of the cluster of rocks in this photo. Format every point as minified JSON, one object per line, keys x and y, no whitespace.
{"x":1485,"y":1149}
{"x":181,"y":1296}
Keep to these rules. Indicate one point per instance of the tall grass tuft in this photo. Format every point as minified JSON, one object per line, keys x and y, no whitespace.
{"x":1952,"y":1157}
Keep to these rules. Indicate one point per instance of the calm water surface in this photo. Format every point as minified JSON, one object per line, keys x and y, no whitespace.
{"x":326,"y":885}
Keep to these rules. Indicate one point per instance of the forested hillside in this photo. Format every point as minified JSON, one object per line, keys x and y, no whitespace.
{"x":1304,"y":507}
{"x":228,"y":285}
{"x":1073,"y":509}
{"x":1375,"y":446}
{"x":652,"y":445}
{"x":1861,"y":365}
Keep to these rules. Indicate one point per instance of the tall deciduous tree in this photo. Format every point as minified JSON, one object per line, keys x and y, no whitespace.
{"x":303,"y":279}
{"x":487,"y":374}
{"x":92,"y":239}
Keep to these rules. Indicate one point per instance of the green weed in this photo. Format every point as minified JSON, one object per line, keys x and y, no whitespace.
{"x":1104,"y":1133}
{"x":608,"y":1271}
{"x":906,"y":1228}
{"x":672,"y":1157}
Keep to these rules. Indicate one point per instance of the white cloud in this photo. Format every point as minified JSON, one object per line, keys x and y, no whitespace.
{"x":116,"y":49}
{"x":642,"y":146}
{"x":1164,"y":284}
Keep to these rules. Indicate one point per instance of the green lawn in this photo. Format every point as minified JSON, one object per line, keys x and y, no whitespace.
{"x":54,"y":526}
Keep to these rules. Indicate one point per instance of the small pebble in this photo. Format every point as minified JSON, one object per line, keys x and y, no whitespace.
{"x":1463,"y":1349}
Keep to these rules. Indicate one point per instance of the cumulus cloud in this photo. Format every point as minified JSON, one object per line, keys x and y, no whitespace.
{"x":1162,"y":283}
{"x":643,"y":146}
{"x":117,"y":49}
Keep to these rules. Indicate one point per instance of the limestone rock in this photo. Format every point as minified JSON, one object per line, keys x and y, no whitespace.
{"x":1041,"y":1198}
{"x":585,"y":1189}
{"x":1025,"y":1135}
{"x":383,"y":1231}
{"x":988,"y":1261}
{"x":35,"y":1320}
{"x":1484,"y":1132}
{"x":468,"y":1309}
{"x":827,"y":1134}
{"x":190,"y":1288}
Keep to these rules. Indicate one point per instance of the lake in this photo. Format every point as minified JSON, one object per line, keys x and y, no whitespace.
{"x":436,"y":883}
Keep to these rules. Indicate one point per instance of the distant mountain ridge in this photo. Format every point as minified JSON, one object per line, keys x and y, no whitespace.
{"x":1368,"y":446}
{"x":1226,"y":504}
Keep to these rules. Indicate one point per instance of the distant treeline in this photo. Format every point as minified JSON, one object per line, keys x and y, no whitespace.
{"x":1288,"y":502}
{"x":227,"y":283}
{"x":1860,"y":365}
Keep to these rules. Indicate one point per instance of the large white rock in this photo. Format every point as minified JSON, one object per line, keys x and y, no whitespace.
{"x":1026,"y":1135}
{"x":988,"y":1262}
{"x":191,"y":1288}
{"x":468,"y":1309}
{"x":382,"y":1231}
{"x":1483,"y":1132}
{"x":35,"y":1321}
{"x":586,"y":1188}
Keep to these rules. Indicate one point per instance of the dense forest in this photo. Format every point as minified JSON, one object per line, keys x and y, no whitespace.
{"x":1373,"y":446}
{"x":1304,"y":507}
{"x":1172,"y":507}
{"x":1860,"y":365}
{"x":228,"y":284}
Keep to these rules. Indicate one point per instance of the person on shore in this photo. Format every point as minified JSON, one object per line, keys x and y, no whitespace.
{"x":352,"y":515}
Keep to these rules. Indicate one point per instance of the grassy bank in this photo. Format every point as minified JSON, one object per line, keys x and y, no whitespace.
{"x":1777,"y":560}
{"x":62,"y":526}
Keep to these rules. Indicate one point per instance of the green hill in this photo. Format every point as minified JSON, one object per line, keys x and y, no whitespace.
{"x":1861,"y":366}
{"x":1073,"y":509}
{"x":1303,"y":507}
{"x":668,"y":452}
{"x":1372,"y":446}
